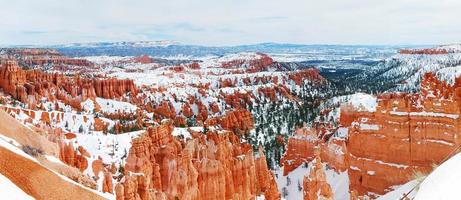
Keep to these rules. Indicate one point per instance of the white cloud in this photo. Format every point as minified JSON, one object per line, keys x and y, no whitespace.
{"x":227,"y":22}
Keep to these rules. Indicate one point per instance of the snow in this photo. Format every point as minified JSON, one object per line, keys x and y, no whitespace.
{"x":425,"y":114}
{"x":105,"y":59}
{"x":380,"y":162}
{"x":160,"y":43}
{"x":339,"y":182}
{"x":260,"y":197}
{"x":443,"y":182}
{"x":440,"y":142}
{"x":54,"y":159}
{"x":14,"y":146}
{"x":364,"y":102}
{"x":181,"y":132}
{"x":111,"y":148}
{"x":310,"y":137}
{"x":342,"y":132}
{"x":9,"y":140}
{"x":456,"y":48}
{"x":369,"y":127}
{"x":11,"y":191}
{"x":88,"y":106}
{"x":295,"y":176}
{"x":112,"y":106}
{"x":400,"y":191}
{"x":244,"y":56}
{"x":449,"y":74}
{"x":411,"y":68}
{"x":5,"y":142}
{"x":105,"y":195}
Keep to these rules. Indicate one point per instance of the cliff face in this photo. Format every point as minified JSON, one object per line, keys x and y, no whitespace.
{"x":48,"y":59}
{"x":423,"y":51}
{"x":31,"y":85}
{"x":303,"y":146}
{"x":404,"y":134}
{"x":300,"y":149}
{"x":212,"y":166}
{"x":407,"y":133}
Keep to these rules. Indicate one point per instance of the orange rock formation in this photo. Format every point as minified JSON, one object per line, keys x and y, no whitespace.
{"x":407,"y":133}
{"x":30,"y":85}
{"x":315,"y":184}
{"x":212,"y":166}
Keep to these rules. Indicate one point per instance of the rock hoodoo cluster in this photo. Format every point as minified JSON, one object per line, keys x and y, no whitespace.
{"x":315,"y":185}
{"x":47,"y":59}
{"x":302,"y":148}
{"x":212,"y":166}
{"x":29,"y":86}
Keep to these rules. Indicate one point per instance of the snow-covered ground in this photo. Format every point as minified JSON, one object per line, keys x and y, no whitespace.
{"x":10,"y":191}
{"x":114,"y":106}
{"x":110,"y":147}
{"x":409,"y":69}
{"x":6,"y":188}
{"x":363,"y":102}
{"x":449,"y":74}
{"x":296,"y":178}
{"x":14,"y":146}
{"x":339,"y":182}
{"x":401,"y":191}
{"x":443,"y":182}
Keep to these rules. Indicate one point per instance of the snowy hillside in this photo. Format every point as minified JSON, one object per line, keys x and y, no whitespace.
{"x":10,"y":190}
{"x":403,"y":72}
{"x":292,"y":184}
{"x":443,"y":182}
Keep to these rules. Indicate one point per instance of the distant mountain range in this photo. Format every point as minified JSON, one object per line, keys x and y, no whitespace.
{"x":173,"y":48}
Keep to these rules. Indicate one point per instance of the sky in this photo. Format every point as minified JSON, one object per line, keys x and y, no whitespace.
{"x":231,"y":22}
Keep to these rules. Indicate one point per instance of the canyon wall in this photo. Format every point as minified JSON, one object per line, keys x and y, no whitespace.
{"x":407,"y":133}
{"x":386,"y":147}
{"x":29,"y":86}
{"x":424,"y":51}
{"x":302,"y":147}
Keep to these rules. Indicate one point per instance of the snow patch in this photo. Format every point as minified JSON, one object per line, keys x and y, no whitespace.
{"x":443,"y":182}
{"x":11,"y":191}
{"x":364,"y":102}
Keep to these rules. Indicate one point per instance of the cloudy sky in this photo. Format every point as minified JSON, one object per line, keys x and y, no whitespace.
{"x":231,"y":22}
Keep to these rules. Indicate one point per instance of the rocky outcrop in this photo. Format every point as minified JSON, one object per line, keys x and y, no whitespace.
{"x":423,"y":51}
{"x":41,"y":58}
{"x":144,"y":59}
{"x":31,"y":85}
{"x":237,"y":120}
{"x":72,"y":157}
{"x":212,"y":166}
{"x":258,"y":62}
{"x":49,"y":60}
{"x":407,"y":133}
{"x":300,"y":149}
{"x":315,"y":185}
